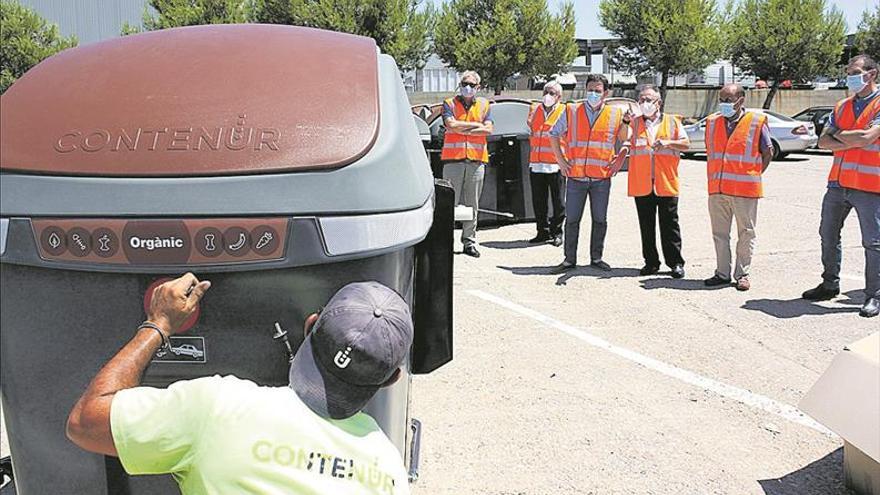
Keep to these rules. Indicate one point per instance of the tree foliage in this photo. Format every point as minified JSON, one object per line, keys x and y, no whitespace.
{"x":401,"y":28}
{"x":502,"y":38}
{"x":669,"y":37}
{"x":25,"y":40}
{"x":176,"y":13}
{"x":868,"y":36}
{"x":778,"y":40}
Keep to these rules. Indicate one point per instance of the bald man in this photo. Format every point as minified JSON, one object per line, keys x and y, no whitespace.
{"x":738,"y":151}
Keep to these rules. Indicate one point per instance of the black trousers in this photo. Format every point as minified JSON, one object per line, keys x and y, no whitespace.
{"x":649,"y":209}
{"x":554,"y":186}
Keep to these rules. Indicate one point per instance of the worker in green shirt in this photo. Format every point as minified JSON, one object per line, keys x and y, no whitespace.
{"x":228,"y":435}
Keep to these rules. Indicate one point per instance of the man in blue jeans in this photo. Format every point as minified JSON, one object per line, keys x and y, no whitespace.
{"x":853,"y":133}
{"x":592,"y":131}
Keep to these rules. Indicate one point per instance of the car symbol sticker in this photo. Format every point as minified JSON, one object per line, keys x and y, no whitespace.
{"x":183,"y":350}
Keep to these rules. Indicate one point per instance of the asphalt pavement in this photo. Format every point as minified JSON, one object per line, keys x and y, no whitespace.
{"x":598,"y":382}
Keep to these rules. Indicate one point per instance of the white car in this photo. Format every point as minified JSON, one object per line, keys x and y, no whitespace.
{"x":788,"y":135}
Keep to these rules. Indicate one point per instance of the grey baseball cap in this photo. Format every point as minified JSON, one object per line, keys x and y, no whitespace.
{"x":360,"y":339}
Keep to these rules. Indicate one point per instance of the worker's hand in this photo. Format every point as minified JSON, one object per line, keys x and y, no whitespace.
{"x":616,"y":162}
{"x":565,"y":167}
{"x":174,"y":301}
{"x":661,"y":144}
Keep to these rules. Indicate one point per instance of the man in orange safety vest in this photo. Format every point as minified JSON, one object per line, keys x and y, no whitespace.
{"x":853,"y":133}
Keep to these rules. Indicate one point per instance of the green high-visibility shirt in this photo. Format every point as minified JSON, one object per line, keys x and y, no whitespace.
{"x":222,"y":435}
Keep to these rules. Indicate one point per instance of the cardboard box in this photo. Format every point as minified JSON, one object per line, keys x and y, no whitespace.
{"x":846,"y":399}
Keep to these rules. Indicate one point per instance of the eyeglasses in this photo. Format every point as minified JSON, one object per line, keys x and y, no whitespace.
{"x":548,"y":92}
{"x":648,"y":100}
{"x":470,"y":84}
{"x":728,"y":100}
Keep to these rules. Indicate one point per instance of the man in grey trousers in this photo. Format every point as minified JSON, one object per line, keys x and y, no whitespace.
{"x":465,"y":151}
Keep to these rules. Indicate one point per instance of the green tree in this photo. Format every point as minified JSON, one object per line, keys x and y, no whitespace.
{"x":779,"y":40}
{"x":502,"y":38}
{"x":25,"y":40}
{"x":401,"y":28}
{"x":669,"y":37}
{"x":868,"y":35}
{"x":176,"y":13}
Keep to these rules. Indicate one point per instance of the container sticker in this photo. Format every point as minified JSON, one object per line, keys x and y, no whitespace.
{"x":183,"y":350}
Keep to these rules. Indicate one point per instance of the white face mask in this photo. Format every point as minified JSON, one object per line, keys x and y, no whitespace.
{"x":549,"y":100}
{"x":467,"y":91}
{"x":648,"y":108}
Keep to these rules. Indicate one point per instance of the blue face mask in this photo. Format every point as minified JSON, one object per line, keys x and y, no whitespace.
{"x":727,"y":109}
{"x":594,"y":98}
{"x":856,"y":82}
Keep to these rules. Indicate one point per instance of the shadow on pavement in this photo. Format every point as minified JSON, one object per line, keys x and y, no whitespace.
{"x":789,"y":158}
{"x":588,"y":271}
{"x":816,"y":152}
{"x":821,"y":477}
{"x":510,"y":244}
{"x":679,"y":284}
{"x":580,"y":271}
{"x":792,"y":308}
{"x":853,"y":297}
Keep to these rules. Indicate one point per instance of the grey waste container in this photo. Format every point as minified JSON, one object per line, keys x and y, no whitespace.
{"x":507,"y":187}
{"x":220,"y":150}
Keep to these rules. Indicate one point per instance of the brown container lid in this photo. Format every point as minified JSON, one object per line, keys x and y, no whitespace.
{"x":195,"y":101}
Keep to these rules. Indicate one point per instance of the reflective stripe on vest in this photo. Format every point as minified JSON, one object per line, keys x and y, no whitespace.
{"x":541,"y":150}
{"x":650,"y":170}
{"x":857,"y":168}
{"x":591,"y":147}
{"x":734,"y":163}
{"x":464,"y":147}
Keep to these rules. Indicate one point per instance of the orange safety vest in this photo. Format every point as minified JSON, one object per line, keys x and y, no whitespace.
{"x":734,"y":164}
{"x":857,"y":168}
{"x":649,"y":169}
{"x":591,"y":148}
{"x":460,"y":146}
{"x":540,"y":149}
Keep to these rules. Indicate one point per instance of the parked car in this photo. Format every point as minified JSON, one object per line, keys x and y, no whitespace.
{"x":817,"y":115}
{"x":788,"y":135}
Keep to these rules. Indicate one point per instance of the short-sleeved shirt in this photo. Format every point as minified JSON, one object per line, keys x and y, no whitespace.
{"x":226,"y":435}
{"x":651,"y":126}
{"x":449,"y":114}
{"x":766,"y":143}
{"x":859,"y":105}
{"x":561,"y":126}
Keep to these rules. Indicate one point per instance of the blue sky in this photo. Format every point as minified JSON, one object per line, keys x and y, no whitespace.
{"x":588,"y":20}
{"x":588,"y":17}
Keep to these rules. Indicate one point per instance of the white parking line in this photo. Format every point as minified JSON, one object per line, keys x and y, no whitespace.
{"x":750,"y":399}
{"x":857,"y":278}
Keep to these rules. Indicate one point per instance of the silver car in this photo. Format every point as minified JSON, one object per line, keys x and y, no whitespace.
{"x":788,"y":135}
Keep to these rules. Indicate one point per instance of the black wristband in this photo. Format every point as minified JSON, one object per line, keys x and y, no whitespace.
{"x":166,"y":344}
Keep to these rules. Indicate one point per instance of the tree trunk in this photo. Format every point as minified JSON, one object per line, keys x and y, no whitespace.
{"x":663,"y":86}
{"x":771,"y":95}
{"x":498,"y":88}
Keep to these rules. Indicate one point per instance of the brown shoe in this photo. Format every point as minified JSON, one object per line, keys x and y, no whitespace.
{"x":742,"y":284}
